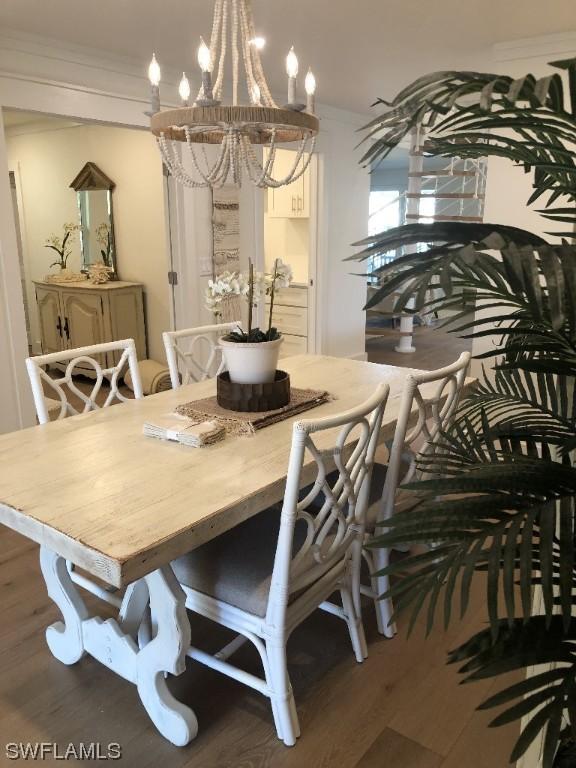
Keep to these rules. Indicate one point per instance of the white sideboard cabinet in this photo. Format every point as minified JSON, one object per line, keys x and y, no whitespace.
{"x":80,"y":314}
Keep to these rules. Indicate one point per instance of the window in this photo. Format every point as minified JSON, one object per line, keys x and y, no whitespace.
{"x":384,"y":211}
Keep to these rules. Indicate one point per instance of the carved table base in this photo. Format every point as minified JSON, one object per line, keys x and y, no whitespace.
{"x":115,"y":642}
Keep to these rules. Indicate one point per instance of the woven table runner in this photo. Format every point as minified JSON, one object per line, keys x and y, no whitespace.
{"x":240,"y":423}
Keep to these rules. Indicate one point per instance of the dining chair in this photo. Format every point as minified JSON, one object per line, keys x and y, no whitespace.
{"x":265,"y":576}
{"x":98,"y":362}
{"x":196,"y":351}
{"x":411,"y":441}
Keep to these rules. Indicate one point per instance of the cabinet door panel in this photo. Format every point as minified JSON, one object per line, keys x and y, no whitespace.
{"x":50,"y":319}
{"x":83,"y":321}
{"x":293,"y":345}
{"x":293,"y":320}
{"x":127,"y":319}
{"x":287,"y":202}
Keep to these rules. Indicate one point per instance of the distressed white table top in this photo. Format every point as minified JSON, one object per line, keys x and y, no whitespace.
{"x":118,"y":504}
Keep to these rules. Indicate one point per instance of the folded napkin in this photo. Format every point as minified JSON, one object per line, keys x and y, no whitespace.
{"x":180,"y":430}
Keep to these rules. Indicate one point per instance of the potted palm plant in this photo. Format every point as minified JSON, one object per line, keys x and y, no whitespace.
{"x":251,"y":356}
{"x":498,"y":495}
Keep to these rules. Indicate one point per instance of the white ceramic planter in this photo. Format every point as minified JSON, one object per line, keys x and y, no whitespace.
{"x":251,"y":363}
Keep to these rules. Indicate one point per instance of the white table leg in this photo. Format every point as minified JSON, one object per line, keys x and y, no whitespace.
{"x":166,"y":653}
{"x":110,"y":643}
{"x":64,"y":638}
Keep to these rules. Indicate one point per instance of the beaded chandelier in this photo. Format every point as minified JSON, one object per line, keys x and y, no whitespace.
{"x":237,"y":129}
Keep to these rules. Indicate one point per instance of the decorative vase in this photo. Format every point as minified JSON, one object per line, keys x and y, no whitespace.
{"x":251,"y":363}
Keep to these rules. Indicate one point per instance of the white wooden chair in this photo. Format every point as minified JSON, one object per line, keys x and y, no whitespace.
{"x":264,"y":577}
{"x":196,"y":352}
{"x":386,"y":495}
{"x":62,"y":386}
{"x":86,"y":357}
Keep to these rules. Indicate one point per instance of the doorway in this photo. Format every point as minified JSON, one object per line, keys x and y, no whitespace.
{"x":58,"y":218}
{"x":290,"y":234}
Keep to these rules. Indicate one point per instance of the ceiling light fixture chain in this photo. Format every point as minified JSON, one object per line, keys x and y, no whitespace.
{"x":235,"y":129}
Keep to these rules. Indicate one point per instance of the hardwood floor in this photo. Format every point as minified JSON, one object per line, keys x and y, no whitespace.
{"x":435,"y":348}
{"x":403,"y":707}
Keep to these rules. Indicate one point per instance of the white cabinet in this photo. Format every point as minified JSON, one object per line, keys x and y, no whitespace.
{"x":290,"y":317}
{"x":50,"y":318}
{"x":293,"y":200}
{"x":81,"y":314}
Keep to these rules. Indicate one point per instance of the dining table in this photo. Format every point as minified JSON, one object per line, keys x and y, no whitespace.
{"x":102,"y":499}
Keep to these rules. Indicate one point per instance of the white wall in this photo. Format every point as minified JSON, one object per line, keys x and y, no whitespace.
{"x":343,"y":219}
{"x":289,"y":240}
{"x":46,"y":159}
{"x":508,"y":187}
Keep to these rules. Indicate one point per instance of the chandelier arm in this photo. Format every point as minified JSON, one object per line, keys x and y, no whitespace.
{"x":235,"y":56}
{"x":223,"y":49}
{"x":216,"y":25}
{"x":246,"y":55}
{"x":266,"y":96}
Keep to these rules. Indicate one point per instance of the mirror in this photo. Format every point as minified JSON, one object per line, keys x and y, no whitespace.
{"x":94,"y":195}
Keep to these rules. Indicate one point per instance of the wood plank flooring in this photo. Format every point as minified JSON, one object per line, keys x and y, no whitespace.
{"x":434,"y":348}
{"x":402,"y":707}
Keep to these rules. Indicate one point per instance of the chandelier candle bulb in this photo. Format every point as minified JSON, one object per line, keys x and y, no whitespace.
{"x":184,"y":90}
{"x":310,"y":86}
{"x":292,"y":71}
{"x":258,"y":43}
{"x":154,"y":75}
{"x":205,"y":63}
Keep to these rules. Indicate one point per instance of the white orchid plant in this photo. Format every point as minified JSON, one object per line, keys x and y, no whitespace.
{"x":62,"y":244}
{"x":253,"y":288}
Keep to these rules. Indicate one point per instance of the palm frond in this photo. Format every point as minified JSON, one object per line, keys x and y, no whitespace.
{"x":546,"y":695}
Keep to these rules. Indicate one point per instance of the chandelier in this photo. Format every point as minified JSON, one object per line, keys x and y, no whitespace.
{"x":240,"y":128}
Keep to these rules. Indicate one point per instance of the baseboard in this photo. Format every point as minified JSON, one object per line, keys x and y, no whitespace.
{"x":360,"y":356}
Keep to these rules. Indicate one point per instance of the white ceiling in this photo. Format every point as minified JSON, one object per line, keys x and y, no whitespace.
{"x":359,"y":50}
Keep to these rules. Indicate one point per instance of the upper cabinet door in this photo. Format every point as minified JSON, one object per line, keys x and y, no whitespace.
{"x":50,"y":318}
{"x":290,"y":201}
{"x":83,"y":320}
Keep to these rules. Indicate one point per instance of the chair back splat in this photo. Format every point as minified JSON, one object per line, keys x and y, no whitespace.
{"x":433,"y":418}
{"x":105,"y":362}
{"x":331,"y":528}
{"x":193,"y":354}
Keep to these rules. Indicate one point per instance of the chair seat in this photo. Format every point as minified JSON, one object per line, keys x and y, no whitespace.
{"x":404,"y":500}
{"x":236,"y":567}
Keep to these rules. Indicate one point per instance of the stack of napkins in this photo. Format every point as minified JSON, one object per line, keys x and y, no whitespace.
{"x":182,"y":430}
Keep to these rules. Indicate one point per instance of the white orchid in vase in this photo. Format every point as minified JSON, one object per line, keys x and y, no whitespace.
{"x":253,"y":287}
{"x":251,"y":356}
